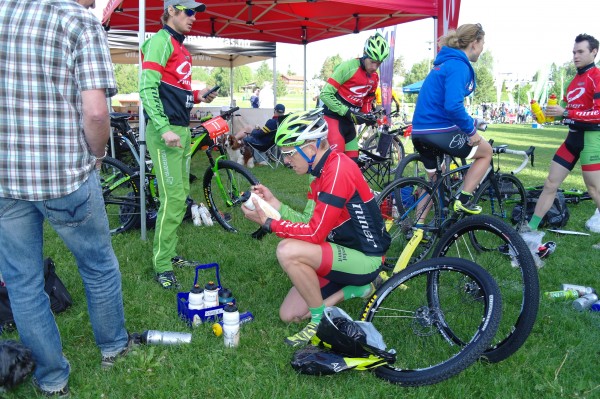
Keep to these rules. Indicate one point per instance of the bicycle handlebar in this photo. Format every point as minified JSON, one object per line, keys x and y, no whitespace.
{"x":525,"y":154}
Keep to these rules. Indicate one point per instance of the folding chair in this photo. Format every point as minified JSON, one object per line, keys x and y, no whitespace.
{"x":271,"y":156}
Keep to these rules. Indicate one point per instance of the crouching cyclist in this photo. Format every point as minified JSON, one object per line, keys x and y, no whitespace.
{"x":333,"y":249}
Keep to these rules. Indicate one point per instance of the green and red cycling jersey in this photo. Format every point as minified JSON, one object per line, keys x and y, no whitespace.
{"x":341,"y":209}
{"x":350,"y":87}
{"x":166,"y":81}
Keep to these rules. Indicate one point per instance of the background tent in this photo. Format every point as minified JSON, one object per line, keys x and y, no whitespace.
{"x":413,"y":88}
{"x":205,"y":51}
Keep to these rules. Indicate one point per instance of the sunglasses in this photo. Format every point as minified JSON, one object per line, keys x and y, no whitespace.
{"x":291,"y":153}
{"x":189,"y":12}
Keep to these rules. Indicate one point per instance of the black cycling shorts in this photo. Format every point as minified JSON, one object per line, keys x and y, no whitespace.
{"x":429,"y":146}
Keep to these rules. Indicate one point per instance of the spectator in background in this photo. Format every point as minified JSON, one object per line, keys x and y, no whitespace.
{"x":263,"y":138}
{"x":61,"y":63}
{"x":379,"y":102}
{"x":255,"y":99}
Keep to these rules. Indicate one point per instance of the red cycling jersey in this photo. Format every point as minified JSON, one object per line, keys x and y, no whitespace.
{"x":345,"y":211}
{"x":583,"y":99}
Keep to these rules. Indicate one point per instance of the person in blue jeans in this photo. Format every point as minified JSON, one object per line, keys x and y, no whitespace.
{"x":50,"y":147}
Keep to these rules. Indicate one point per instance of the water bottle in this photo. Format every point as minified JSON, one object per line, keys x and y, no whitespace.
{"x":196,"y":298}
{"x":205,"y":214}
{"x":579,"y":288}
{"x":564,"y":295}
{"x":537,"y":111}
{"x":154,"y":337}
{"x":211,"y":295}
{"x":231,"y":326}
{"x":271,"y":212}
{"x":196,"y":218}
{"x":245,"y":317}
{"x":552,"y":100}
{"x":225,"y":296}
{"x":585,"y":302}
{"x":594,"y":308}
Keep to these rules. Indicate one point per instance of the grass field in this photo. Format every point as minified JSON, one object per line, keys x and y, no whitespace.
{"x":559,"y":360}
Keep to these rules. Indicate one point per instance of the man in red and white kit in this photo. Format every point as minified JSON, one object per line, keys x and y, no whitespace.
{"x":582,"y":115}
{"x":349,"y":94}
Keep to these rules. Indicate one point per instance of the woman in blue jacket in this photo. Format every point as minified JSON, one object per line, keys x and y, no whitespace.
{"x":441,"y":121}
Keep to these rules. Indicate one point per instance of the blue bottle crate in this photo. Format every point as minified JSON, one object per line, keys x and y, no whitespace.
{"x":214,"y":313}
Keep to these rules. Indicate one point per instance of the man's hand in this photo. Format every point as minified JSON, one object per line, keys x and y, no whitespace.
{"x":359,"y":118}
{"x":171,"y":139}
{"x":209,"y":97}
{"x":554,"y":110}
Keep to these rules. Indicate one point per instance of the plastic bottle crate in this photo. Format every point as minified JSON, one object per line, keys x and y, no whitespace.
{"x":214,"y":313}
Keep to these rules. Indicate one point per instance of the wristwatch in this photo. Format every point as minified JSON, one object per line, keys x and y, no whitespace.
{"x":565,"y":114}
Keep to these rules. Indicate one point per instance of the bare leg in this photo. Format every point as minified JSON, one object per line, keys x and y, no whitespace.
{"x":294,"y":309}
{"x":300,"y":260}
{"x":556,"y":176}
{"x":483,"y":157}
{"x":592,"y":182}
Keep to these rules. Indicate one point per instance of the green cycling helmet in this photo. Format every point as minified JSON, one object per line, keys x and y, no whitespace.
{"x":377,"y":48}
{"x":298,"y":127}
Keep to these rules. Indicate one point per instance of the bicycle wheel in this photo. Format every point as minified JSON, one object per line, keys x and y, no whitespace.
{"x":439,"y":315}
{"x":411,"y":166}
{"x":407,"y":204}
{"x":222,"y":192}
{"x":120,"y":188}
{"x":512,"y":195}
{"x":498,"y":247}
{"x":396,"y":151}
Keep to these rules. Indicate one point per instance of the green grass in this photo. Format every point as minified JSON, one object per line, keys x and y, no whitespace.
{"x":558,"y":361}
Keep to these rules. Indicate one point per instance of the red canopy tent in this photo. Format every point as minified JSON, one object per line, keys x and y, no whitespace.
{"x":287,"y":21}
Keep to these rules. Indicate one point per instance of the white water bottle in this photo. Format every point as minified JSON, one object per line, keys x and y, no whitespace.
{"x":264,"y":205}
{"x":211,"y":295}
{"x":231,"y":325}
{"x":205,"y":215}
{"x":196,"y":218}
{"x":196,"y":298}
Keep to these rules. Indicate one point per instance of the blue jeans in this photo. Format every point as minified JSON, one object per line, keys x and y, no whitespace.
{"x":80,"y":220}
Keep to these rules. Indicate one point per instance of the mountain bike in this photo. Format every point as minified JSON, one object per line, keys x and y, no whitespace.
{"x":381,"y":153}
{"x":498,"y":194}
{"x":223,"y":183}
{"x":444,"y":312}
{"x":483,"y":239}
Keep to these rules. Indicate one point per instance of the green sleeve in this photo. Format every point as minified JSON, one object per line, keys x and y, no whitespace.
{"x":292,"y":215}
{"x":340,"y":75}
{"x":156,"y":51}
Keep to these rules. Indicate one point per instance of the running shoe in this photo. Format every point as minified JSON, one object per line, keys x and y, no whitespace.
{"x":167,"y":280}
{"x":178,"y":261}
{"x":469,"y":207}
{"x":303,"y":337}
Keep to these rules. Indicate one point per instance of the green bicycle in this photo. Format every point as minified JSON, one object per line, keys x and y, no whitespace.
{"x":223,"y":183}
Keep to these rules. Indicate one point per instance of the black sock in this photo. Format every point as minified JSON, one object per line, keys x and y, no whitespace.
{"x":465,"y":197}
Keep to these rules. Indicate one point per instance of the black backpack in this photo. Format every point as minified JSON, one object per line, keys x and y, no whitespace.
{"x":60,"y":299}
{"x":556,"y":217}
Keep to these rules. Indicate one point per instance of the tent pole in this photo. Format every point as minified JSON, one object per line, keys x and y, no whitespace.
{"x":305,"y":77}
{"x":142,"y":126}
{"x":274,"y":80}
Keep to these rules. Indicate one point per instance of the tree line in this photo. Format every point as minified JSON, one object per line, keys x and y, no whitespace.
{"x":243,"y":76}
